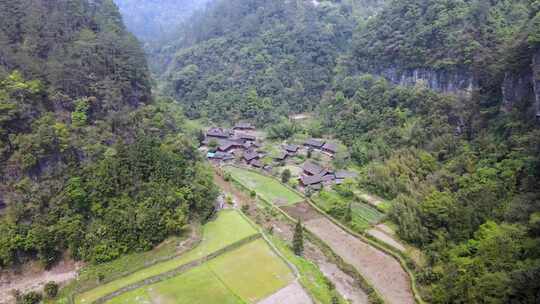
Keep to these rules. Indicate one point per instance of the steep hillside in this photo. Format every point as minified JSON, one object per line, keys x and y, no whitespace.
{"x":278,"y":56}
{"x":462,"y":171}
{"x":89,"y":163}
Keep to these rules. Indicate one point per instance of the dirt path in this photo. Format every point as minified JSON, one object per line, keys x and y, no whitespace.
{"x":372,"y":199}
{"x":294,"y":293}
{"x":34,"y":278}
{"x":345,"y":284}
{"x":381,"y":233}
{"x":381,"y":270}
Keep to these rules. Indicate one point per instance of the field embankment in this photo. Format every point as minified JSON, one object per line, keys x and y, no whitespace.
{"x":380,"y":269}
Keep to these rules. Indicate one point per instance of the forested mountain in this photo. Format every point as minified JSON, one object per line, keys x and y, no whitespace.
{"x":155,"y":20}
{"x":90,"y":164}
{"x":462,"y":169}
{"x":277,"y":56}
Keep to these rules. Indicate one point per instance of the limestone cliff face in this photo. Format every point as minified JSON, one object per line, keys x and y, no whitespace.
{"x":517,"y":87}
{"x":523,"y":87}
{"x":536,"y":82}
{"x":460,"y":82}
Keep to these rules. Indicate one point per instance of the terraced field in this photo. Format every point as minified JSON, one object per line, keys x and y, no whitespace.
{"x":267,"y":187}
{"x":229,"y":227}
{"x":363,"y":215}
{"x":245,"y":275}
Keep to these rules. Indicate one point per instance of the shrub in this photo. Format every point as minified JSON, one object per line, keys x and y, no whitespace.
{"x":51,"y":289}
{"x":33,"y":297}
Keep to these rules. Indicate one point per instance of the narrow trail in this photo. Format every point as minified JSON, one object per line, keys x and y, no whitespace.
{"x":34,"y":281}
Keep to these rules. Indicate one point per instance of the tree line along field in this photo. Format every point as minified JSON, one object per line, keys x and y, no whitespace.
{"x":229,"y":227}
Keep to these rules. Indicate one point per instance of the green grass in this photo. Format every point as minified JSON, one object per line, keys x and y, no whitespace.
{"x":268,"y":188}
{"x":363,"y":215}
{"x":253,"y":271}
{"x":244,"y":275}
{"x":311,"y":277}
{"x":197,"y":286}
{"x":228,"y":228}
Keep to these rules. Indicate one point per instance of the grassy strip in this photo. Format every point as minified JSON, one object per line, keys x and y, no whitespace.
{"x":199,"y":285}
{"x":226,"y":229}
{"x":268,"y":188}
{"x":406,"y":262}
{"x":177,"y":271}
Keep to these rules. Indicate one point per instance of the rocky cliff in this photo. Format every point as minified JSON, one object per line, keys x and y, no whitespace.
{"x":438,"y":80}
{"x":536,"y":82}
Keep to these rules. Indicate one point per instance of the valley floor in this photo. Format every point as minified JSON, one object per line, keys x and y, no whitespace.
{"x":381,"y":270}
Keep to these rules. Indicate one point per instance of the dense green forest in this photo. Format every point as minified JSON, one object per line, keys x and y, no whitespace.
{"x":258,"y":59}
{"x":462,"y":171}
{"x":90,"y":164}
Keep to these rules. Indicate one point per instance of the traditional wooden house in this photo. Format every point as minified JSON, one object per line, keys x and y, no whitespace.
{"x":330,"y":148}
{"x":256,"y":163}
{"x":314,"y":143}
{"x":341,"y":176}
{"x":314,"y":182}
{"x":282,"y":156}
{"x":218,"y":133}
{"x":220,"y":156}
{"x":228,"y":146}
{"x":291,"y":149}
{"x":311,"y":169}
{"x":250,"y":156}
{"x":246,"y":137}
{"x":244,"y":126}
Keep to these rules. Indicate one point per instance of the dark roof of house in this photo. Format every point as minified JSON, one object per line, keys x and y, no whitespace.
{"x":282,"y":155}
{"x":256,"y":163}
{"x":251,"y":155}
{"x":314,"y":143}
{"x":243,"y":125}
{"x":247,"y":137}
{"x":311,"y":180}
{"x":292,"y":148}
{"x":312,"y":168}
{"x":328,"y":177}
{"x":221,"y":155}
{"x":345,"y":174}
{"x":226,"y":145}
{"x":218,"y":132}
{"x":316,"y":186}
{"x":330,"y":147}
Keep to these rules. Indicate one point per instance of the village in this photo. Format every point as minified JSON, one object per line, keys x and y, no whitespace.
{"x":243,"y":145}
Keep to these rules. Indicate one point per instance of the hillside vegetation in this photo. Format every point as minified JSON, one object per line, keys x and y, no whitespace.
{"x":90,"y":164}
{"x":462,"y":171}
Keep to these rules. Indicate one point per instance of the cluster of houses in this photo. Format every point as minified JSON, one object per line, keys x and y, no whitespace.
{"x":315,"y":177}
{"x":235,"y":142}
{"x":240,"y":143}
{"x":323,"y":146}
